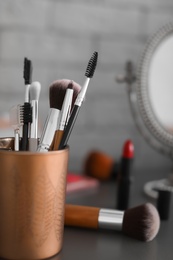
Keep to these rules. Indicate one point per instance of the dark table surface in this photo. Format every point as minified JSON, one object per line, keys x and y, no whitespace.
{"x":103,"y":245}
{"x":87,"y":244}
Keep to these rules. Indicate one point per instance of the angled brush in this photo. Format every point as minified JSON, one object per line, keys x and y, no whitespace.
{"x":79,"y":100}
{"x":141,"y":222}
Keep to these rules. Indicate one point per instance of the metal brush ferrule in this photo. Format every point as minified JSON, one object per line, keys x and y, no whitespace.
{"x":110,"y":219}
{"x":82,"y":93}
{"x":34,"y":124}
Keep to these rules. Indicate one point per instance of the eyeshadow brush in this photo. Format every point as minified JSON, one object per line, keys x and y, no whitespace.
{"x":79,"y":100}
{"x":141,"y":222}
{"x":34,"y":93}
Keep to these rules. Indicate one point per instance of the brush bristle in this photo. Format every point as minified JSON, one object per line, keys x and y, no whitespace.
{"x":34,"y":90}
{"x":58,"y":90}
{"x":141,"y":222}
{"x":98,"y":165}
{"x":27,"y":71}
{"x":16,"y":115}
{"x":26,"y":109}
{"x":91,"y":65}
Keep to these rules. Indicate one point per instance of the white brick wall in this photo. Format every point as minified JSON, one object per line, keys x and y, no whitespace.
{"x":59,"y":37}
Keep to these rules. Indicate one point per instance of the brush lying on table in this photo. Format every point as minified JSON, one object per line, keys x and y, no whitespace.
{"x":100,"y":166}
{"x":141,"y":222}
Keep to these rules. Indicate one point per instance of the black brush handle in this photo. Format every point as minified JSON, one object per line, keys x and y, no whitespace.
{"x":69,"y":127}
{"x":27,"y":119}
{"x":24,"y":144}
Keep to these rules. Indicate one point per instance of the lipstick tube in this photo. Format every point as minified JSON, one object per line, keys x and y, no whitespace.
{"x":125,"y":179}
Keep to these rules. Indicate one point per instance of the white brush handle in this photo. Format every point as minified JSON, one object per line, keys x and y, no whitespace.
{"x":49,"y":130}
{"x":34,"y":124}
{"x":16,"y":139}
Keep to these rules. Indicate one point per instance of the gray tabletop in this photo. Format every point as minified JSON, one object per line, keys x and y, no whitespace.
{"x":91,"y":244}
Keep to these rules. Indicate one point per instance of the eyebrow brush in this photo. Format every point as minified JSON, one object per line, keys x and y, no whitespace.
{"x":34,"y":93}
{"x":79,"y":100}
{"x":27,"y":75}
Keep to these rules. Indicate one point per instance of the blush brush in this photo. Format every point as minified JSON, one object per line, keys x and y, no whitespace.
{"x":141,"y":222}
{"x":100,"y":166}
{"x":79,"y":100}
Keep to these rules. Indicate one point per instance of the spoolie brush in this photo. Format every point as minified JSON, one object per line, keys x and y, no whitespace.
{"x":141,"y":222}
{"x":79,"y":100}
{"x":100,"y":166}
{"x":27,"y":75}
{"x":57,"y":92}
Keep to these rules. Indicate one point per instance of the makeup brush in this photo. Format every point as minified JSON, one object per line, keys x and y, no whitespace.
{"x":141,"y":222}
{"x":34,"y":93}
{"x":27,"y":75}
{"x":57,"y":92}
{"x":16,"y":120}
{"x":100,"y":166}
{"x":68,"y":103}
{"x":79,"y":100}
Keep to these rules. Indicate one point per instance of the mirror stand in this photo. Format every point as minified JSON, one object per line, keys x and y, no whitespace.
{"x":150,"y":188}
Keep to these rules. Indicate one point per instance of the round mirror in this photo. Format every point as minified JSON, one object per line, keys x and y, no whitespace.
{"x":155,"y":86}
{"x":160,"y":83}
{"x":150,"y":92}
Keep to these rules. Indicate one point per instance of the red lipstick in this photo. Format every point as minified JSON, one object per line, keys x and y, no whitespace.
{"x":124,"y":181}
{"x":128,"y":150}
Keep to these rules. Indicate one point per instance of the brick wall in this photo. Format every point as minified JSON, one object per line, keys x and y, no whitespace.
{"x":59,"y":37}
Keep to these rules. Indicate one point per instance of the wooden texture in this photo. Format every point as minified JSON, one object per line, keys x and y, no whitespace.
{"x":81,"y":216}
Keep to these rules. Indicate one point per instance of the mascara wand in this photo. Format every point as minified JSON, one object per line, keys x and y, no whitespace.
{"x":79,"y":100}
{"x":27,"y":75}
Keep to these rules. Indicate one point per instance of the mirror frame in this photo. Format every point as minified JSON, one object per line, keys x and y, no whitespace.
{"x":146,"y":111}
